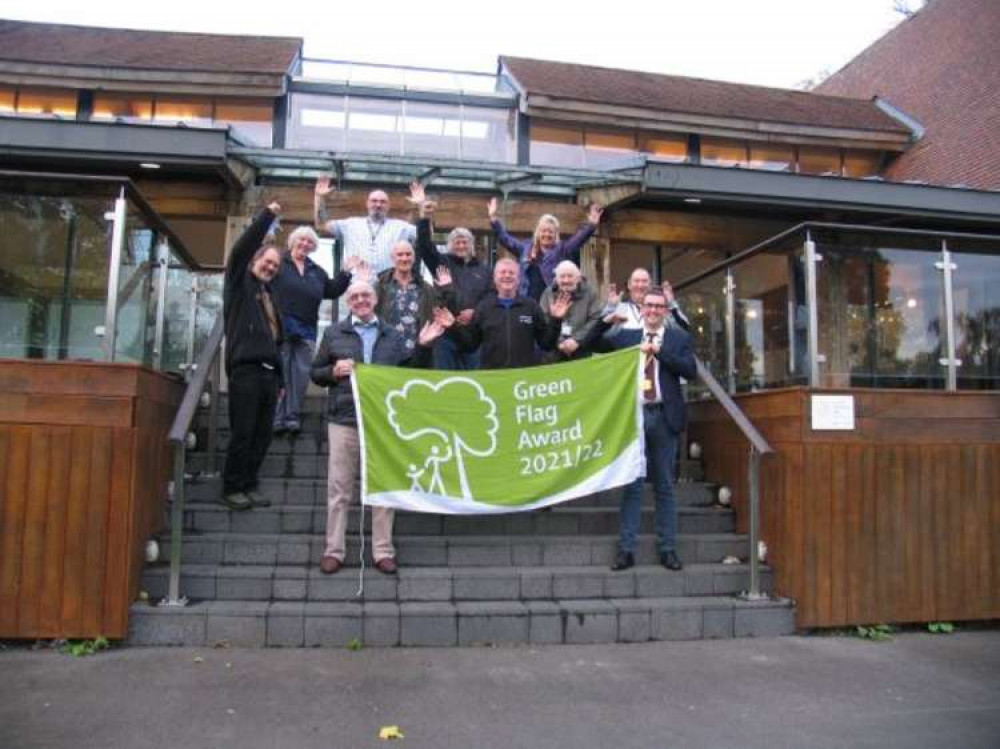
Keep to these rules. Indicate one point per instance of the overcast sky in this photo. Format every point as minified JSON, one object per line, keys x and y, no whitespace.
{"x":768,"y":42}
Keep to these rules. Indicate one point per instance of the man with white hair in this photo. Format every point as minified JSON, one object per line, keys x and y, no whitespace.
{"x":582,"y":317}
{"x":299,"y":287}
{"x":370,"y":237}
{"x":360,"y":337}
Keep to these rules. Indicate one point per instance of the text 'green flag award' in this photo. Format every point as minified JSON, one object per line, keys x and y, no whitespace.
{"x":498,"y":441}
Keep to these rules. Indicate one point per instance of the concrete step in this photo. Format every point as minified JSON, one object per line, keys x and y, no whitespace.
{"x":387,"y":624}
{"x":300,"y":464}
{"x":209,"y":517}
{"x":454,"y":551}
{"x":456,"y":584}
{"x":312,"y":492}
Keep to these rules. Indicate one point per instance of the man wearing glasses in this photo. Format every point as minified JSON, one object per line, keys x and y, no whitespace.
{"x":666,"y":357}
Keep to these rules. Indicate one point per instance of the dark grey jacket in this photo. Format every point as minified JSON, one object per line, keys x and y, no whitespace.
{"x":341,"y":341}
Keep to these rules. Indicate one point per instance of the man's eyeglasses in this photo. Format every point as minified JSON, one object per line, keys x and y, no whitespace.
{"x":655,"y":305}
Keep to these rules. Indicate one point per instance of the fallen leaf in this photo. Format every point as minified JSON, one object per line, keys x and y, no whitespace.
{"x":390,"y":732}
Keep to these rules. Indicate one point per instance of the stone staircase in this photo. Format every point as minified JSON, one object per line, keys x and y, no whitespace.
{"x":538,"y":577}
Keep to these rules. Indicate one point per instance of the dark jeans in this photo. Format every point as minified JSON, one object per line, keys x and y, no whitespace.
{"x":253,"y":392}
{"x":296,"y":361}
{"x":661,"y":460}
{"x":447,"y":355}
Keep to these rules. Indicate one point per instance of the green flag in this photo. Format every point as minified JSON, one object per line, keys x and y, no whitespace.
{"x":499,"y":440}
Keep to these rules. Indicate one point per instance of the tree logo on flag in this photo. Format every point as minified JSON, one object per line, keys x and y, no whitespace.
{"x":465,"y":423}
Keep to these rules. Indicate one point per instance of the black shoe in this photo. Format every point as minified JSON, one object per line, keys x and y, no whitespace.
{"x":671,"y":561}
{"x":236,"y":501}
{"x":623,"y":560}
{"x":257,"y":499}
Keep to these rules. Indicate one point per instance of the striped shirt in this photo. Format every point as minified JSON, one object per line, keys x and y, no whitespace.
{"x":372,"y":240}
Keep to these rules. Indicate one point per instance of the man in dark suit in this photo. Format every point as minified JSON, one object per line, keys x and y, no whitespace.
{"x":667,"y":356}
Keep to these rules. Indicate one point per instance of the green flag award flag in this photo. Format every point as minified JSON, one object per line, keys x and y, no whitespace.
{"x":501,"y":440}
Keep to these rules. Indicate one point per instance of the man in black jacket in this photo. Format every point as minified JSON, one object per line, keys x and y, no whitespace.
{"x":360,"y":337}
{"x":253,"y":334}
{"x":507,"y":328}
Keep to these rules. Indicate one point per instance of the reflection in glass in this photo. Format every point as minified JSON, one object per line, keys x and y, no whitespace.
{"x":773,"y":158}
{"x":374,"y":125}
{"x":819,"y":160}
{"x":191,"y":110}
{"x":556,"y":145}
{"x":489,"y":134}
{"x":250,"y":118}
{"x":56,"y":102}
{"x":665,"y":147}
{"x":723,"y":152}
{"x":53,"y":274}
{"x":976,"y":284}
{"x":705,"y":305}
{"x":880,"y":311}
{"x":770,"y":321}
{"x":317,"y":122}
{"x":125,"y":107}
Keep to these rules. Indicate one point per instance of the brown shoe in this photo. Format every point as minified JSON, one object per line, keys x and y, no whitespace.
{"x":329,"y":565}
{"x":387,"y":566}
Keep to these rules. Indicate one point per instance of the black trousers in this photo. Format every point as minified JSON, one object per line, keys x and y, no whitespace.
{"x":253,"y":393}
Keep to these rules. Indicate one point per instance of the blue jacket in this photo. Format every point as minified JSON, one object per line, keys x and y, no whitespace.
{"x":676,"y":359}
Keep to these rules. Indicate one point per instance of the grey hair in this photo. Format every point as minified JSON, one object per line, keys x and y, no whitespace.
{"x":461,"y":231}
{"x":303,"y":231}
{"x":566,"y":265}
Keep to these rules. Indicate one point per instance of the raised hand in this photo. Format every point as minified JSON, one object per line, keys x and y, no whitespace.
{"x":443,"y":317}
{"x":595,"y":213}
{"x":442,"y":277}
{"x":431,"y":331}
{"x":493,"y":208}
{"x":363,"y":271}
{"x":668,"y":292}
{"x":274,"y":208}
{"x":465,"y":316}
{"x":323,"y":186}
{"x":569,"y":346}
{"x":417,"y":193}
{"x":351,"y":263}
{"x":614,"y":296}
{"x":560,"y":305}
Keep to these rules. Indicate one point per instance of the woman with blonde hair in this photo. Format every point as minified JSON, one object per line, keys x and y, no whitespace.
{"x":299,"y":287}
{"x":539,"y":256}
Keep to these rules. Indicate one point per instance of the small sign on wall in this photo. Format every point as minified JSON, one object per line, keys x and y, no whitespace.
{"x":833,"y":412}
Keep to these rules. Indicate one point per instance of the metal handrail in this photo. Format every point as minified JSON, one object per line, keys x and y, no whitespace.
{"x":207,"y":364}
{"x":758,"y":448}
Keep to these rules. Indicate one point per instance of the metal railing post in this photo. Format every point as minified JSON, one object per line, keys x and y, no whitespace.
{"x":213,"y":415}
{"x":730,"y":290}
{"x":753,"y":478}
{"x":811,"y":304}
{"x":162,"y":264}
{"x":951,"y":361}
{"x":174,"y":597}
{"x":192,"y":328}
{"x":118,"y":217}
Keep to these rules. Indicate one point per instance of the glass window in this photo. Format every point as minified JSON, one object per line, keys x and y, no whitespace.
{"x":604,"y":148}
{"x":7,"y":97}
{"x":53,"y":273}
{"x":374,"y":125}
{"x":976,"y":290}
{"x":665,"y":147}
{"x":127,"y":107}
{"x":556,"y":145}
{"x":770,"y":335}
{"x":189,"y":110}
{"x":489,"y":134}
{"x":251,"y":118}
{"x":861,"y":163}
{"x":317,"y":122}
{"x":880,"y":311}
{"x":771,"y":157}
{"x":51,"y":101}
{"x":432,"y":129}
{"x":723,"y":152}
{"x":705,"y":305}
{"x":818,"y":160}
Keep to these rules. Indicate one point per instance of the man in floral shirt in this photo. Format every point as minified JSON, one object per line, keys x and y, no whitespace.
{"x":406,"y":301}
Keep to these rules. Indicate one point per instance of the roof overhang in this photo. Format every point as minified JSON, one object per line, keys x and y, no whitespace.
{"x":105,"y":78}
{"x":118,"y":146}
{"x":832,"y":193}
{"x":570,"y":110}
{"x":509,"y":179}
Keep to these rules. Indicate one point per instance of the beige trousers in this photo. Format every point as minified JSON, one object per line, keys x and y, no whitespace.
{"x":342,"y":475}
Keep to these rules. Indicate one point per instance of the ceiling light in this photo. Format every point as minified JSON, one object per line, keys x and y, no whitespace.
{"x":148,"y":165}
{"x":693,"y":201}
